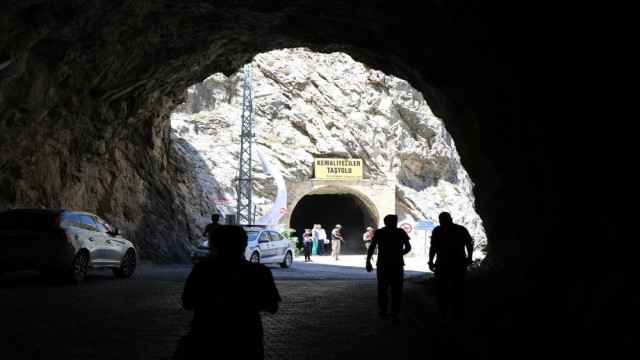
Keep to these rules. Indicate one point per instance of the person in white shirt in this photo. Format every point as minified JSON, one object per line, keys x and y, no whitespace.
{"x":321,"y":235}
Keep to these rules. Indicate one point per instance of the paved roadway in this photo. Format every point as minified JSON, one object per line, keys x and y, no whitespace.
{"x":328,"y":312}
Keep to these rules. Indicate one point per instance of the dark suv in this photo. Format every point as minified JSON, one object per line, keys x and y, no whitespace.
{"x":63,"y":240}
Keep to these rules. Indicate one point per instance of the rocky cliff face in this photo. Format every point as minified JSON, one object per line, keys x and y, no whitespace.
{"x":324,"y":105}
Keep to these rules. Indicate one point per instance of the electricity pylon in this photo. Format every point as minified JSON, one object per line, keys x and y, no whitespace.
{"x":245,"y":181}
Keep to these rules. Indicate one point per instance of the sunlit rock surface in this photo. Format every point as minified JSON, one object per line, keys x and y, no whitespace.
{"x":325,"y":105}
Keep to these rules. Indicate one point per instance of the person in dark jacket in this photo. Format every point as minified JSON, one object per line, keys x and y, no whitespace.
{"x":392,"y":243}
{"x":448,"y":244}
{"x":226,"y":294}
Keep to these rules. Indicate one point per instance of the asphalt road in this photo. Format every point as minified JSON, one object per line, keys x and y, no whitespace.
{"x":328,"y":312}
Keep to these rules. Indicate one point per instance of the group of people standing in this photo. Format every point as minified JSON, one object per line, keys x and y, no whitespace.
{"x":313,"y":242}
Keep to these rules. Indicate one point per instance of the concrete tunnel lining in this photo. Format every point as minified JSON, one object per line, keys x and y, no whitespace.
{"x":350,"y":205}
{"x":331,"y":209}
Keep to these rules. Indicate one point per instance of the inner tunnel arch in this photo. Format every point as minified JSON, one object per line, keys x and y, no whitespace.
{"x":332,"y":205}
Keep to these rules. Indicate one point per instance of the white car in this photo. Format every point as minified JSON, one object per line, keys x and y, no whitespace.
{"x":265,"y":246}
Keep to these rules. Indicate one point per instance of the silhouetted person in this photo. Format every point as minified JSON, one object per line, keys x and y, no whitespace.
{"x":448,"y":244}
{"x":392,"y":243}
{"x":215,"y":218}
{"x":226,"y":294}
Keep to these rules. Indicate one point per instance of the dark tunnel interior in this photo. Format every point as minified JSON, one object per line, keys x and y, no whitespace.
{"x":534,"y":94}
{"x":329,"y":210}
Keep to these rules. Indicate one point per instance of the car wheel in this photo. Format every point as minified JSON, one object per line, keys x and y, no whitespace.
{"x":288,"y":259}
{"x":128,"y":265}
{"x":255,"y":258}
{"x":79,"y":267}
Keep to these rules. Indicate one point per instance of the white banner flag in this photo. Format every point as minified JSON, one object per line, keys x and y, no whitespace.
{"x":279,"y":209}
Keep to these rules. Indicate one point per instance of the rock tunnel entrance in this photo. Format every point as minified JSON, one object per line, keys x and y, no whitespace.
{"x":331,"y":209}
{"x":91,"y":133}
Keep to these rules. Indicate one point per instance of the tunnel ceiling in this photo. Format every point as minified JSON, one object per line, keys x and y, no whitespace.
{"x":86,"y":88}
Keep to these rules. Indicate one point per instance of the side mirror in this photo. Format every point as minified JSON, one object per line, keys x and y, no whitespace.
{"x":115,"y":232}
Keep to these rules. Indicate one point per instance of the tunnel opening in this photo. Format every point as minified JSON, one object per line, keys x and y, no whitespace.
{"x":294,"y":125}
{"x":329,"y":210}
{"x":277,"y":123}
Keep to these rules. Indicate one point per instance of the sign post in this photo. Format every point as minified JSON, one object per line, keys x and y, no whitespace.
{"x":425,"y":225}
{"x":406,"y":227}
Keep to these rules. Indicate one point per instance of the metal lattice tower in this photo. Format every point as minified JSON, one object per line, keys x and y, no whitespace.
{"x":245,"y":183}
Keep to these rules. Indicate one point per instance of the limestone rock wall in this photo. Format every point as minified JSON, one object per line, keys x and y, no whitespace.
{"x":326,"y":105}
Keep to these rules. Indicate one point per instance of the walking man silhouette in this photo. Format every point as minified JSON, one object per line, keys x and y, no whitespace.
{"x":392,"y":243}
{"x":215,"y":218}
{"x":448,"y":244}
